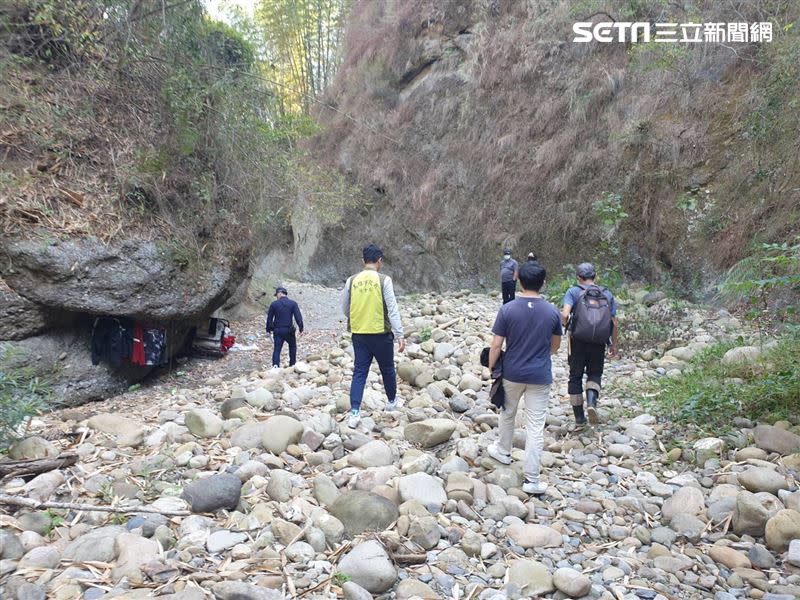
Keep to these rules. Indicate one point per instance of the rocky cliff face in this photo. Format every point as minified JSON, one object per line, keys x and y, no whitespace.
{"x":477,"y":124}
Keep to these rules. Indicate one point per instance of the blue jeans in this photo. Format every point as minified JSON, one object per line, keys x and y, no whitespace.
{"x":367,"y":346}
{"x":279,"y":338}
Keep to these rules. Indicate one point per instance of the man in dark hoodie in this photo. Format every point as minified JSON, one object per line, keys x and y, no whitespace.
{"x":279,"y":324}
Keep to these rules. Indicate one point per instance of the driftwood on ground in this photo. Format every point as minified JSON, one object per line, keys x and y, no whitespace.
{"x":27,"y":467}
{"x":30,"y":503}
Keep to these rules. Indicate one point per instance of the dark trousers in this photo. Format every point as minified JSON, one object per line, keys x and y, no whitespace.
{"x":367,"y":346}
{"x":584,"y":358}
{"x":509,"y":291}
{"x":279,"y":337}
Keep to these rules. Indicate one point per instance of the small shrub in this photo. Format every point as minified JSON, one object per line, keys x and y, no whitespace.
{"x":425,"y":334}
{"x":22,"y":395}
{"x":709,"y":394}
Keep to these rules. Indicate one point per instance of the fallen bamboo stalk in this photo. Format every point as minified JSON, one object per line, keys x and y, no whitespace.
{"x":410,"y":559}
{"x":449,"y":323}
{"x":30,"y":503}
{"x":21,"y":468}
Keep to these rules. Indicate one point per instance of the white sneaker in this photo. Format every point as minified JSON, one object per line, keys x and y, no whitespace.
{"x":394,"y":404}
{"x":534,"y":488}
{"x":355,"y":418}
{"x":274,"y":367}
{"x":496,"y":453}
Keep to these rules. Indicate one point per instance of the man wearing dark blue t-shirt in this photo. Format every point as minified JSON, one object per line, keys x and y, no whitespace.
{"x":282,"y":312}
{"x":531,"y":328}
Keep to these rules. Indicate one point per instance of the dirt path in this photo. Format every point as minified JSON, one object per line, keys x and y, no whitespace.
{"x":323,"y":321}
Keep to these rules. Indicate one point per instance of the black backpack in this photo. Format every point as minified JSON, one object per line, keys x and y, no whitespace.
{"x":591,"y":316}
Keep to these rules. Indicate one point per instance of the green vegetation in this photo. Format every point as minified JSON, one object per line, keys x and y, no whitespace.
{"x":22,"y":395}
{"x":425,"y":334}
{"x":56,"y":520}
{"x":760,"y":279}
{"x":710,"y":393}
{"x":167,"y":120}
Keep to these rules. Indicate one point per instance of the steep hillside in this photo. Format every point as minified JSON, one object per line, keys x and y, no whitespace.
{"x":129,"y":179}
{"x":478,"y":124}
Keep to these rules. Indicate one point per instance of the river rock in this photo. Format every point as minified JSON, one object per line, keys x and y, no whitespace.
{"x":361,"y":511}
{"x":750,"y":516}
{"x":375,"y":453}
{"x":224,"y":540}
{"x":413,"y":589}
{"x":775,"y":439}
{"x":423,"y":488}
{"x":687,"y":500}
{"x":571,"y":583}
{"x":133,"y":551}
{"x":32,"y":448}
{"x":279,"y":487}
{"x":203,"y":423}
{"x":429,"y":432}
{"x":533,"y":578}
{"x":43,"y":557}
{"x":530,"y":535}
{"x":741,"y":355}
{"x":98,"y":545}
{"x":762,"y":479}
{"x":239,"y":590}
{"x":213,"y":493}
{"x":729,"y":557}
{"x":782,"y":529}
{"x":279,"y":432}
{"x":249,"y":435}
{"x":369,"y":566}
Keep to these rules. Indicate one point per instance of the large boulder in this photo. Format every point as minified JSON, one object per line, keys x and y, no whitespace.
{"x":21,"y":317}
{"x":361,"y":511}
{"x":369,"y":566}
{"x":131,"y":278}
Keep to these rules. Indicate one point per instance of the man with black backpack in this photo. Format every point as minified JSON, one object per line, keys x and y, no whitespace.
{"x":590,"y":316}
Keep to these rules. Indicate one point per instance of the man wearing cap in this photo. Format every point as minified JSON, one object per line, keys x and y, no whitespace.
{"x":373,"y":319}
{"x":509,"y":272}
{"x":586,"y":357}
{"x":279,"y":324}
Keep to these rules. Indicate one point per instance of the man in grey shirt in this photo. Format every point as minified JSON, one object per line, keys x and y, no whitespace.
{"x":509,"y":272}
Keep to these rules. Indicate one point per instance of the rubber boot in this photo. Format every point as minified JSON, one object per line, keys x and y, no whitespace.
{"x":580,"y":418}
{"x":591,"y":406}
{"x":576,"y":400}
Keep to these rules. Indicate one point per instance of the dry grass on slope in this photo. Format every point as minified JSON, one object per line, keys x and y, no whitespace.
{"x":484,"y":118}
